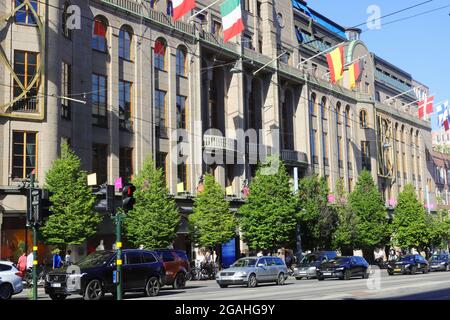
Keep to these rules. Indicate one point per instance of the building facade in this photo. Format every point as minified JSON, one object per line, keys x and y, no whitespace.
{"x":140,"y":84}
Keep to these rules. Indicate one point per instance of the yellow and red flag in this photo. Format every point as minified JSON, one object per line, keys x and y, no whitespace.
{"x":355,"y":71}
{"x":335,"y":61}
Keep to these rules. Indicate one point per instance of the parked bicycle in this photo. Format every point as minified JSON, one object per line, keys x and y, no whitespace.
{"x":28,"y":277}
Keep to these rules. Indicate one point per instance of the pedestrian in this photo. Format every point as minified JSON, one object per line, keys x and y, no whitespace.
{"x":57,"y":261}
{"x":68,"y":258}
{"x":22,"y":264}
{"x":100,"y":246}
{"x":30,"y":259}
{"x":260,"y":253}
{"x":288,"y":259}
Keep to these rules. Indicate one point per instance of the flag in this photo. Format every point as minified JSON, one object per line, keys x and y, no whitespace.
{"x":442,"y":113}
{"x":181,"y":7}
{"x":446,"y":124}
{"x":429,"y":105}
{"x":355,"y":71}
{"x":99,"y":28}
{"x":231,"y":19}
{"x":335,"y":61}
{"x":160,"y":47}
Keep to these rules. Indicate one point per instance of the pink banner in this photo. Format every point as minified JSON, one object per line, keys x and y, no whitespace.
{"x":118,"y":183}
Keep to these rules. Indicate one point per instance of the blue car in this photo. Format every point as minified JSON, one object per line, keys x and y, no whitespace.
{"x":344,"y":268}
{"x":93,"y":276}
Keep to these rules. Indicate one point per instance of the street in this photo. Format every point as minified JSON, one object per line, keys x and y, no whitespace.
{"x":432,"y":286}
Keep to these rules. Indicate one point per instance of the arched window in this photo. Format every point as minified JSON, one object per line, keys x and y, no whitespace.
{"x":347,"y":116}
{"x":100,"y":29}
{"x":313,"y":105}
{"x":160,"y":54}
{"x":338,"y":113}
{"x":125,"y":37}
{"x":323,"y":110}
{"x":67,"y":32}
{"x":181,"y":62}
{"x":363,"y":119}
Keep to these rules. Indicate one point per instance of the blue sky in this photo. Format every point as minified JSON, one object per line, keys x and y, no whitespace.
{"x":420,"y":45}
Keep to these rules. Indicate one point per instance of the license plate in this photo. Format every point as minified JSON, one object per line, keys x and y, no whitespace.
{"x":56,"y":285}
{"x":327,"y":273}
{"x":435,"y":266}
{"x":397,"y":270}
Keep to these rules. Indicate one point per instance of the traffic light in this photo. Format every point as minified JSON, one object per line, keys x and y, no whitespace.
{"x":106,"y":202}
{"x":127,"y":197}
{"x":34,"y":214}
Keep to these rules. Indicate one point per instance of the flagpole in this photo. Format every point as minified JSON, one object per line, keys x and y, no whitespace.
{"x":321,"y":53}
{"x":416,"y":101}
{"x":403,"y":93}
{"x":268,"y":63}
{"x":204,"y":9}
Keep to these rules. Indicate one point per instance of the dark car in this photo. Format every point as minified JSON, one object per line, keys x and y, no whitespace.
{"x":176,"y":264}
{"x":307,"y":267}
{"x":343,"y":268}
{"x":409,"y":264}
{"x":439,"y":262}
{"x":94,"y":275}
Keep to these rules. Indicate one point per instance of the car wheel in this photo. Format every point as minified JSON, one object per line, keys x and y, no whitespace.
{"x":346,"y":275}
{"x":179,"y":282}
{"x":6,"y":291}
{"x":252,"y":282}
{"x":152,"y":287}
{"x":365,"y":275}
{"x":298,"y":278}
{"x":93,"y":291}
{"x":320,"y":278}
{"x":223,"y":286}
{"x":281,"y":279}
{"x":413,"y":270}
{"x":390,"y":273}
{"x":425,"y":270}
{"x":57,"y":296}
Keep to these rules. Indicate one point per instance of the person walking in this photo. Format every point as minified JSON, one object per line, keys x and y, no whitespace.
{"x":22,"y":264}
{"x":57,"y":261}
{"x":68,"y":258}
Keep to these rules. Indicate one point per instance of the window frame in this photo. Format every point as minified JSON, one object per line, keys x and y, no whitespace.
{"x":99,"y":92}
{"x":123,"y":86}
{"x":27,"y":13}
{"x":124,"y":46}
{"x":27,"y":79}
{"x":160,"y":60}
{"x":24,"y":154}
{"x":95,"y":39}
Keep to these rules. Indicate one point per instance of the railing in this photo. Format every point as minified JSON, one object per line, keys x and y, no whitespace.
{"x":26,"y":105}
{"x":293,"y":156}
{"x":129,"y":5}
{"x":218,"y":41}
{"x":402,"y":87}
{"x":255,"y":56}
{"x":218,"y":142}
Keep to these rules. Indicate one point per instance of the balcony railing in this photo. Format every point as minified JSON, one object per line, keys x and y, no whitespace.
{"x":26,"y":105}
{"x":219,"y":143}
{"x":294,"y":156}
{"x":402,"y":87}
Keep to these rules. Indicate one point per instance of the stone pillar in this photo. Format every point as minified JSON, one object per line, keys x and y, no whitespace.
{"x":113,"y":105}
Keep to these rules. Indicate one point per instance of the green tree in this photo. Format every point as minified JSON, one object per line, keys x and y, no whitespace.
{"x":154,"y":220}
{"x":409,"y":225}
{"x":372,"y":226}
{"x":212,"y":222}
{"x":72,"y":218}
{"x":268,"y":218}
{"x":317,"y":217}
{"x":345,"y":236}
{"x":439,"y":227}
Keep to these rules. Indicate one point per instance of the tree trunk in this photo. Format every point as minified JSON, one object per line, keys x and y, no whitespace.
{"x":347,"y":251}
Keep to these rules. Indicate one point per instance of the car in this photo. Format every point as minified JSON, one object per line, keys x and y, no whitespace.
{"x":344,"y":268}
{"x":307,"y":267}
{"x":439,"y":262}
{"x":253,"y":270}
{"x":10,"y":280}
{"x":409,"y":264}
{"x":142,"y":270}
{"x":176,"y":264}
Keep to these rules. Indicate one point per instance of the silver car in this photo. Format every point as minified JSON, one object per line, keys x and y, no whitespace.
{"x":10,"y":281}
{"x":253,"y":270}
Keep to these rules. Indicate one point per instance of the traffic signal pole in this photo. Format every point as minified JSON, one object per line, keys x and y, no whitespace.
{"x":118,"y":220}
{"x":35,"y":253}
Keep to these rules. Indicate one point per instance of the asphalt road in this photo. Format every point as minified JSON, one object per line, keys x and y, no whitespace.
{"x":432,"y":286}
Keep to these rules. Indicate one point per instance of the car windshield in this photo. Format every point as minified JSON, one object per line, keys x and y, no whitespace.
{"x":310,"y":258}
{"x":407,"y":258}
{"x":95,"y":259}
{"x":245,"y":263}
{"x":437,"y":258}
{"x":340,"y":260}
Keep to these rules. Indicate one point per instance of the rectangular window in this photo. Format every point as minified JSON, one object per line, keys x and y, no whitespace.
{"x":100,"y":162}
{"x":349,"y":155}
{"x":126,"y":163}
{"x":247,"y":42}
{"x":125,"y":105}
{"x":24,"y":154}
{"x":25,"y":67}
{"x":365,"y":155}
{"x":25,"y":14}
{"x":160,"y":114}
{"x":182,"y":175}
{"x":66,"y":89}
{"x":325,"y":149}
{"x":216,"y":28}
{"x":99,"y":101}
{"x":181,"y":112}
{"x":340,"y":153}
{"x":246,"y":5}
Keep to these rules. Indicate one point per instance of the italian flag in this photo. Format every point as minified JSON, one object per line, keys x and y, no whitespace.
{"x":181,"y":7}
{"x":231,"y":19}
